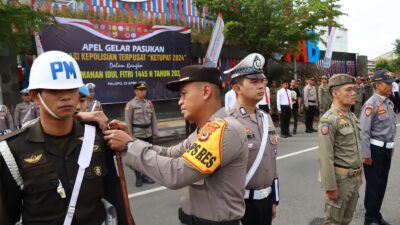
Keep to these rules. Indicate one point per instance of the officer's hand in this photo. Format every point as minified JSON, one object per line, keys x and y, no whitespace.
{"x":367,"y":161}
{"x":98,"y":117}
{"x":273,"y":211}
{"x":117,"y":139}
{"x":332,"y":195}
{"x":118,"y":125}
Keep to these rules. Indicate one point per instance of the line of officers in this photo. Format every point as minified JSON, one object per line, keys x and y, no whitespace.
{"x":27,"y":110}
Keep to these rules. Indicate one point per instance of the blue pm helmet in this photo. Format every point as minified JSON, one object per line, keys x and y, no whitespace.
{"x":84,"y":91}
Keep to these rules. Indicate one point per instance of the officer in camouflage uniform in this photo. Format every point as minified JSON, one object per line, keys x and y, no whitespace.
{"x":39,"y":164}
{"x":340,"y":152}
{"x":211,"y":163}
{"x":140,"y":117}
{"x":92,"y":104}
{"x":262,"y":195}
{"x":359,"y":97}
{"x":25,"y":111}
{"x":324,"y":97}
{"x":378,"y":132}
{"x":368,"y":89}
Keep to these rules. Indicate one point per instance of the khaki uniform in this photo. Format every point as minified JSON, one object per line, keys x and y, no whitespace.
{"x":90,"y":104}
{"x":340,"y":163}
{"x":359,"y":99}
{"x":47,"y":163}
{"x":141,"y":118}
{"x":324,"y":98}
{"x":24,"y":112}
{"x":369,"y":91}
{"x":274,"y":107}
{"x":211,"y":165}
{"x":6,"y":120}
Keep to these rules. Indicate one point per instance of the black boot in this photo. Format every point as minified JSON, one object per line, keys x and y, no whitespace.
{"x":147,"y":179}
{"x":139,"y":180}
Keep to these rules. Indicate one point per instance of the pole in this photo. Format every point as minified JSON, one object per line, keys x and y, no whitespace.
{"x":294,"y":66}
{"x":124,"y":191}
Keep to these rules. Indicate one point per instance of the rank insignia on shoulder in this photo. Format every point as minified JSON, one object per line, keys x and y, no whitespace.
{"x":242,"y":111}
{"x":325,"y":129}
{"x":98,"y":170}
{"x":33,"y":159}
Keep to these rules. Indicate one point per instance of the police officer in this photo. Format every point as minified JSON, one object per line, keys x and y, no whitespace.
{"x":310,"y":104}
{"x":25,"y":111}
{"x":92,"y":104}
{"x":368,"y":89}
{"x":83,"y":95}
{"x":39,"y":164}
{"x":378,"y":130}
{"x":261,"y":196}
{"x":340,"y":152}
{"x":6,"y":120}
{"x":210,"y":163}
{"x":142,"y":123}
{"x":324,"y":97}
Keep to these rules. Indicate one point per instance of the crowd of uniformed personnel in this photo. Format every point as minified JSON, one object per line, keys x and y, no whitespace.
{"x":228,"y":164}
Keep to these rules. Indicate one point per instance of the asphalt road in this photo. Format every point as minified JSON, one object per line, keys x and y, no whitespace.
{"x":302,"y":201}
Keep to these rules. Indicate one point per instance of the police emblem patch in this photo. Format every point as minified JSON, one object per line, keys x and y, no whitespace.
{"x":368,"y":111}
{"x":325,"y":129}
{"x":33,"y":158}
{"x":257,"y":64}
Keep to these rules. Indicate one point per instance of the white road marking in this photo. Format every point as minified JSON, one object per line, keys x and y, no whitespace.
{"x":278,"y":158}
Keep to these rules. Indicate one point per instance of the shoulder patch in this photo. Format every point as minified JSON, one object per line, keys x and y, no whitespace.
{"x":325,"y":129}
{"x":368,"y":110}
{"x":205,"y":155}
{"x":127,"y":106}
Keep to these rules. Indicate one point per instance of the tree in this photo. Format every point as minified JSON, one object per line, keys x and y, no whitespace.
{"x":273,"y":26}
{"x":17,"y":24}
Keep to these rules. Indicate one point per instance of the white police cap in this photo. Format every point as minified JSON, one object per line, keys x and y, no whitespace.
{"x":91,"y":86}
{"x":250,"y":67}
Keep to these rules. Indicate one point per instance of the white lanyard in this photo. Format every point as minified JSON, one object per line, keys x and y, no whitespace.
{"x":261,"y":151}
{"x":85,"y":157}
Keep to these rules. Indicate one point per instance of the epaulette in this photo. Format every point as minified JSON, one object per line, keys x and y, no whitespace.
{"x":13,"y":133}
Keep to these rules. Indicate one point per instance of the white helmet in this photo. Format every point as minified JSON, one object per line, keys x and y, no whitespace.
{"x":55,"y":70}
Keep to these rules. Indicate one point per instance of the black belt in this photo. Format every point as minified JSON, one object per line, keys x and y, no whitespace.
{"x":193,"y":220}
{"x":345,"y":167}
{"x":311,"y":101}
{"x":144,"y":126}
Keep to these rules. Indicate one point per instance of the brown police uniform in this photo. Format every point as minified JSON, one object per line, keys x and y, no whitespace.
{"x":265,"y":177}
{"x":6,"y":120}
{"x":46,"y":162}
{"x":210,"y":163}
{"x":340,"y":158}
{"x":24,"y":112}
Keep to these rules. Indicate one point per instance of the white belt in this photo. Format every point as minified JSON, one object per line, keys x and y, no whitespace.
{"x":382,"y":144}
{"x":258,"y":194}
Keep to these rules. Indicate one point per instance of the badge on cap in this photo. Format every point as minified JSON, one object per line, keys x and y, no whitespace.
{"x":257,"y":63}
{"x":325,"y":129}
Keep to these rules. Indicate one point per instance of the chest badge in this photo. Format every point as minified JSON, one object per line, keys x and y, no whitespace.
{"x":33,"y":159}
{"x":98,"y":170}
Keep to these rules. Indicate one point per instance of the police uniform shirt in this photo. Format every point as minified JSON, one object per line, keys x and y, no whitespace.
{"x":339,"y":144}
{"x":324,"y":96}
{"x":43,"y":165}
{"x":24,"y":112}
{"x":141,"y":118}
{"x":283,"y":97}
{"x":211,"y":162}
{"x":6,"y":121}
{"x":378,"y":121}
{"x":90,"y":104}
{"x":310,"y":96}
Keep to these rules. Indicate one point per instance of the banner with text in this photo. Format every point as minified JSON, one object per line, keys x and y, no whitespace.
{"x":115,"y":56}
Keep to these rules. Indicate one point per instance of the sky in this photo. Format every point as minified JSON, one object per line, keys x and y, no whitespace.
{"x":373,"y":25}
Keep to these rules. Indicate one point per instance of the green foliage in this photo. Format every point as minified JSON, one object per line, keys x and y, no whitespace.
{"x":273,"y":26}
{"x":17,"y":24}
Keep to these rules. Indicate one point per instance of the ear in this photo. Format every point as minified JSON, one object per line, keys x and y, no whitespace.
{"x":236,"y":88}
{"x":207,"y":91}
{"x":34,"y":96}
